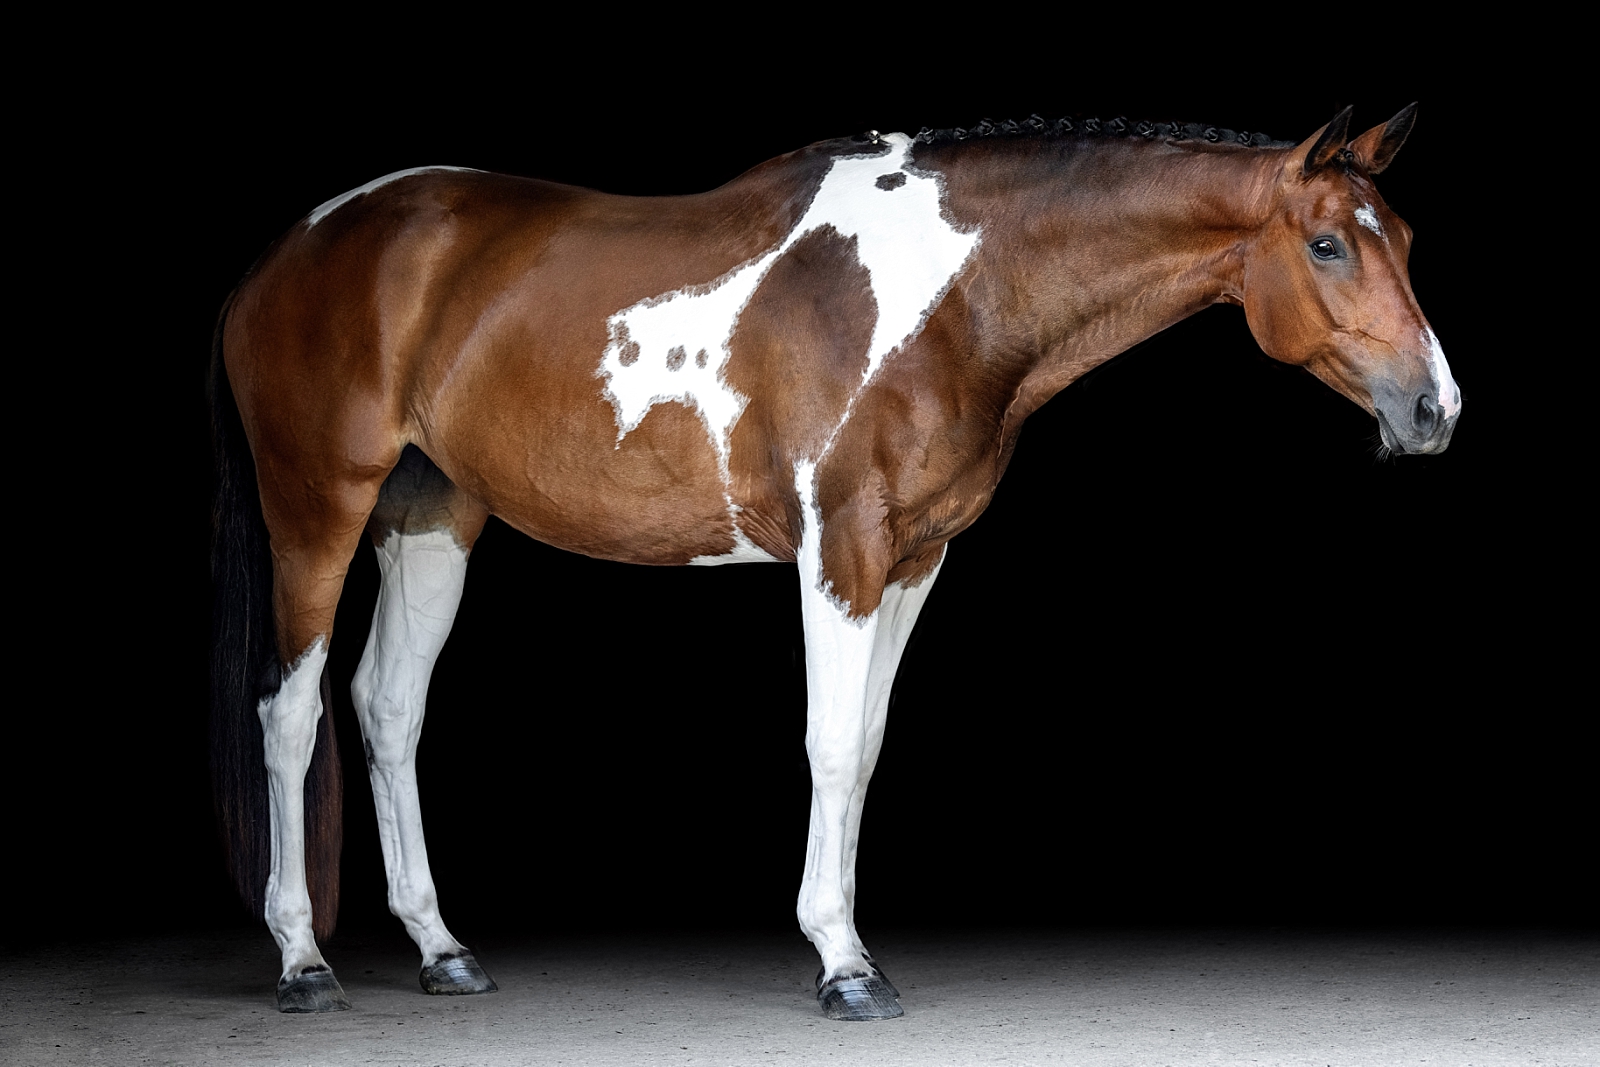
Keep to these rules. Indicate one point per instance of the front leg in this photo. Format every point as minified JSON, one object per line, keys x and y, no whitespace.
{"x":838,"y":662}
{"x":897,"y":616}
{"x":850,"y":665}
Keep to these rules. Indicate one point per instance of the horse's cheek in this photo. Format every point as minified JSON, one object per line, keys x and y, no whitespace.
{"x":1269,"y":296}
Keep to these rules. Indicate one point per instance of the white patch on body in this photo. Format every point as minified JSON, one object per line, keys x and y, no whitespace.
{"x":1369,"y":218}
{"x":326,"y":209}
{"x":423,"y":575}
{"x":675,"y":347}
{"x":1449,"y":392}
{"x":289,"y":732}
{"x":744,"y":550}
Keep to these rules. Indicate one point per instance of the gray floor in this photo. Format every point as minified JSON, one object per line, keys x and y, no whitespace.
{"x":1088,"y":998}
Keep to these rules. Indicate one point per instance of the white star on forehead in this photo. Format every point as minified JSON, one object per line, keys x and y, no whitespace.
{"x":1369,"y":218}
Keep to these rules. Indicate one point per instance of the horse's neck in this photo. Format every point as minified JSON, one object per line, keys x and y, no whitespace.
{"x":1091,"y":254}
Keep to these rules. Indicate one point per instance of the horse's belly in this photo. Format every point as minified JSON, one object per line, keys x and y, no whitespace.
{"x":657,"y":494}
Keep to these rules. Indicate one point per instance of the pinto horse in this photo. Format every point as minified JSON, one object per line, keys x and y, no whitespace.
{"x":826,"y":361}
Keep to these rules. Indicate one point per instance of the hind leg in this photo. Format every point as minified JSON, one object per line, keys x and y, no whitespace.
{"x":423,"y":529}
{"x":308,"y":574}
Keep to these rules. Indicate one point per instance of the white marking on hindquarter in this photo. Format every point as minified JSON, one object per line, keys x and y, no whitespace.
{"x":675,"y":347}
{"x":324,"y":210}
{"x":1369,"y":218}
{"x":1449,"y":392}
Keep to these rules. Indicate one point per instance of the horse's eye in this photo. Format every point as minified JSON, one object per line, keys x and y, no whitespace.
{"x":1323,"y":248}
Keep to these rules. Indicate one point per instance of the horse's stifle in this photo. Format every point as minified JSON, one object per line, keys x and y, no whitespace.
{"x":825,"y":362}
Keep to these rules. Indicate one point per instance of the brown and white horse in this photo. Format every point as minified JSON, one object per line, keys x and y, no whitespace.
{"x":826,"y":361}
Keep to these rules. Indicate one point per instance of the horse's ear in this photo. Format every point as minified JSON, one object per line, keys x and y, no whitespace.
{"x":1375,"y":149}
{"x":1318,"y":150}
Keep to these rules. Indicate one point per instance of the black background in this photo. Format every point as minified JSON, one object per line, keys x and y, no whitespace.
{"x":1207,"y":657}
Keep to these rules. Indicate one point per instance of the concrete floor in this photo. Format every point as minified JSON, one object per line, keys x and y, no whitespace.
{"x":1089,"y":998}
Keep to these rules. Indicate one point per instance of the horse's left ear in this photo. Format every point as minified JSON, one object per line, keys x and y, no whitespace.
{"x":1318,"y":150}
{"x":1376,"y":148}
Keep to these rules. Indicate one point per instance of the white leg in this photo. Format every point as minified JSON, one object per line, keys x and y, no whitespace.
{"x":838,"y":663}
{"x":289,"y":729}
{"x":850,"y":666}
{"x":423,"y":574}
{"x":896,"y":618}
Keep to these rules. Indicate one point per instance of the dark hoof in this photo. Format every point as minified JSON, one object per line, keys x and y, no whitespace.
{"x":856,"y":1000}
{"x":455,"y":976}
{"x":312,"y":991}
{"x":888,"y":985}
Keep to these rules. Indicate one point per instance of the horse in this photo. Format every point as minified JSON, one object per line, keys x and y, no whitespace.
{"x":824,"y":362}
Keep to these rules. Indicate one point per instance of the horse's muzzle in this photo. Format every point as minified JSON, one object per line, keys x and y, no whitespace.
{"x":1423,"y":430}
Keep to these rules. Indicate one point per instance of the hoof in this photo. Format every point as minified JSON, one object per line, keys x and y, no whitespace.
{"x":455,"y":976}
{"x":858,"y":1000}
{"x":312,"y":991}
{"x":887,"y":985}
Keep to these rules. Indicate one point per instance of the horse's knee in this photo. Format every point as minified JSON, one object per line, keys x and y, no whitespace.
{"x":835,"y":767}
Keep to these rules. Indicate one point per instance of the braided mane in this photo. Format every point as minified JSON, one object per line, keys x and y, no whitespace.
{"x":1034,"y":126}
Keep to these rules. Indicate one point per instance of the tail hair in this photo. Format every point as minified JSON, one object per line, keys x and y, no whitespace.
{"x":245,"y":668}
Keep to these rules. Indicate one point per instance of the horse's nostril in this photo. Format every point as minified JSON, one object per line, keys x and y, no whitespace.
{"x":1425,"y":416}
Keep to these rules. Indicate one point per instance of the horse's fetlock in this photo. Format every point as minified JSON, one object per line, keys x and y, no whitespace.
{"x":414,"y":906}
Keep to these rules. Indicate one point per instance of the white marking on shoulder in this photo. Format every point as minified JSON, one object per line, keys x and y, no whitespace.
{"x":1369,"y":218}
{"x":324,"y":210}
{"x":675,"y":346}
{"x":1449,"y":392}
{"x":808,"y":554}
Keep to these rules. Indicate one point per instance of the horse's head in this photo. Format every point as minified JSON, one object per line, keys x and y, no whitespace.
{"x":1325,"y":286}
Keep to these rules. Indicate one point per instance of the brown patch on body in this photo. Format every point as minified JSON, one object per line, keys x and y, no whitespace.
{"x":916,"y":462}
{"x":799,"y":353}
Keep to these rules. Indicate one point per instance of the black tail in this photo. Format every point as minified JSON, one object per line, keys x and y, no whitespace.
{"x":245,"y":667}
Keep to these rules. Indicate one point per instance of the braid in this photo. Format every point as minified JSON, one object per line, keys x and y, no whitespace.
{"x":1035,"y":126}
